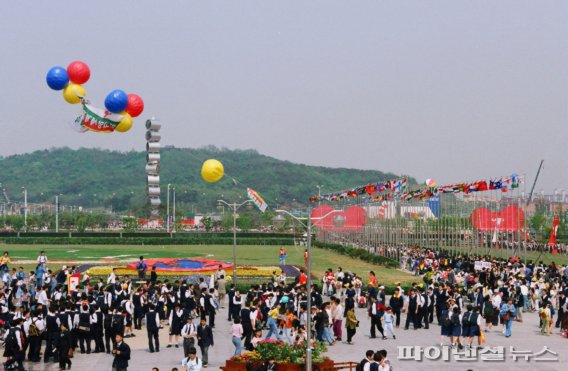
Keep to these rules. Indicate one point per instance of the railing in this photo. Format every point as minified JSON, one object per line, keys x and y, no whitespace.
{"x":345,"y":365}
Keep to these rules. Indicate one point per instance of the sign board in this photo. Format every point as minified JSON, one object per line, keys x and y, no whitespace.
{"x":73,"y":280}
{"x":479,"y":265}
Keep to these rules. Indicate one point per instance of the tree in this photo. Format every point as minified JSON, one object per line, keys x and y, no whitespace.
{"x":130,"y":224}
{"x":207,"y":223}
{"x":538,"y":223}
{"x":245,"y":222}
{"x":227,"y":221}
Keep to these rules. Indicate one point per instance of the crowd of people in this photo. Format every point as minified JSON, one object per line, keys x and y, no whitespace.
{"x":467,"y":297}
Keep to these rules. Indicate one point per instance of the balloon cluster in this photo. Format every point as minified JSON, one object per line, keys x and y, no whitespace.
{"x":117,"y":102}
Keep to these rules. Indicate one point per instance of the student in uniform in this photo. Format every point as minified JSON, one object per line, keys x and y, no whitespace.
{"x":188,"y":333}
{"x":455,"y":319}
{"x":191,"y":362}
{"x":153,"y":328}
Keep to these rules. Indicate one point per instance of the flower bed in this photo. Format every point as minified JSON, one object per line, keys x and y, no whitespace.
{"x":184,"y":265}
{"x":242,"y":271}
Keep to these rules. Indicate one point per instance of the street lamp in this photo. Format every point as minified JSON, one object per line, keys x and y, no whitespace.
{"x":319,"y":187}
{"x":168,"y":209}
{"x":25,"y":207}
{"x":338,"y":221}
{"x":234,"y":206}
{"x":174,"y":209}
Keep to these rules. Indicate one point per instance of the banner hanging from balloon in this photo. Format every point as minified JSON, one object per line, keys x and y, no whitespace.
{"x":96,"y":119}
{"x":257,"y":200}
{"x":120,"y":107}
{"x":394,"y":186}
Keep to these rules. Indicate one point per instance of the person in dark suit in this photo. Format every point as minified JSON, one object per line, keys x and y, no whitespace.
{"x":204,"y":340}
{"x":121,"y":353}
{"x":153,"y":328}
{"x":63,"y":346}
{"x":412,"y":315}
{"x":231,"y":296}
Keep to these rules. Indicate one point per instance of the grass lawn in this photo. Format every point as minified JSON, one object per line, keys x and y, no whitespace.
{"x":246,"y":255}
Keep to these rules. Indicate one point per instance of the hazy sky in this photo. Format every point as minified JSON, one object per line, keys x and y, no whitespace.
{"x":450,"y":90}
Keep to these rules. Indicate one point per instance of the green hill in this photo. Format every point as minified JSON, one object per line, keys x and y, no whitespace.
{"x":104,"y":178}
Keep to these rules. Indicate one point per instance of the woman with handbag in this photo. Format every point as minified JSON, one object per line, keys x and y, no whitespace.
{"x":545,"y":320}
{"x":351,"y":325}
{"x":508,"y":313}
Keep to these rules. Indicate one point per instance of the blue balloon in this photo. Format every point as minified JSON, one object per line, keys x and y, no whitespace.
{"x":57,"y":78}
{"x":116,"y":101}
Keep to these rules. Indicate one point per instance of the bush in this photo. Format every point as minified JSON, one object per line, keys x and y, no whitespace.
{"x":358,"y":254}
{"x":144,"y":241}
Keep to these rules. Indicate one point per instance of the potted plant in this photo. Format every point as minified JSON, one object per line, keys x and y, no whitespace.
{"x":289,"y":357}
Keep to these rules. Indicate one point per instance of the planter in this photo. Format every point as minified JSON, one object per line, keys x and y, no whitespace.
{"x":320,"y":366}
{"x":234,"y":366}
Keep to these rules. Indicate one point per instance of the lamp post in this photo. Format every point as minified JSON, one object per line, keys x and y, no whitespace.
{"x":319,"y":187}
{"x":174,"y":208}
{"x":234,"y":206}
{"x":168,"y":209}
{"x":338,"y":221}
{"x":25,"y":207}
{"x":56,"y":213}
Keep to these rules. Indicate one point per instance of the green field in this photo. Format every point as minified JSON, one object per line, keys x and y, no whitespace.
{"x":246,"y":255}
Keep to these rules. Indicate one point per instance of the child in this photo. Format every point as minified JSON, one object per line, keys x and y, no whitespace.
{"x":389,"y":318}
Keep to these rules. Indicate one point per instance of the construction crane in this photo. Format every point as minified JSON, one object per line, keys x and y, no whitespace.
{"x":534,"y":183}
{"x":6,"y":202}
{"x":5,"y":194}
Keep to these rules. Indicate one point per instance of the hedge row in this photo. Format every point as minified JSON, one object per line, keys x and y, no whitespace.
{"x":358,"y":253}
{"x":123,"y":234}
{"x":145,"y":241}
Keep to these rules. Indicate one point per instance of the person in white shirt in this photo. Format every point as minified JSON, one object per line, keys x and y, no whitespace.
{"x":189,"y":334}
{"x":41,"y":297}
{"x":191,"y":363}
{"x":111,"y":280}
{"x":42,"y":259}
{"x":220,"y":272}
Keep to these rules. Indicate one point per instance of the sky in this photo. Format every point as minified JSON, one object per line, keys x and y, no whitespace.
{"x":449,"y":90}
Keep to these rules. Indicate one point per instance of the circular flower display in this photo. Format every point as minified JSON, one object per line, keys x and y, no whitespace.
{"x":184,"y":265}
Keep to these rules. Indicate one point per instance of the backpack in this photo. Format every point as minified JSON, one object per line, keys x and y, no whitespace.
{"x":445,"y":321}
{"x":34,"y":330}
{"x":108,"y":321}
{"x":465,"y":319}
{"x":473,"y":319}
{"x":361,"y":365}
{"x":117,"y":323}
{"x":11,"y":340}
{"x":455,"y":319}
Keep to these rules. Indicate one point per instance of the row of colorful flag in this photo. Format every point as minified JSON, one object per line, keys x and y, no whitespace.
{"x":394,"y":186}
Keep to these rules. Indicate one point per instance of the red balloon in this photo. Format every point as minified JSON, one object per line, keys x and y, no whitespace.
{"x":135,"y":105}
{"x":78,"y":72}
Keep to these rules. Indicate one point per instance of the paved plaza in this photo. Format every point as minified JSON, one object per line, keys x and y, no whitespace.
{"x":526,"y":337}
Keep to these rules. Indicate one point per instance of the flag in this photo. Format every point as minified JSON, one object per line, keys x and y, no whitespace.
{"x":258,"y":201}
{"x":553,"y":232}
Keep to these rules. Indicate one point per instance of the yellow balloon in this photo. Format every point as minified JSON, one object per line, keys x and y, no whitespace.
{"x":125,"y":124}
{"x":212,"y":171}
{"x":72,"y":92}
